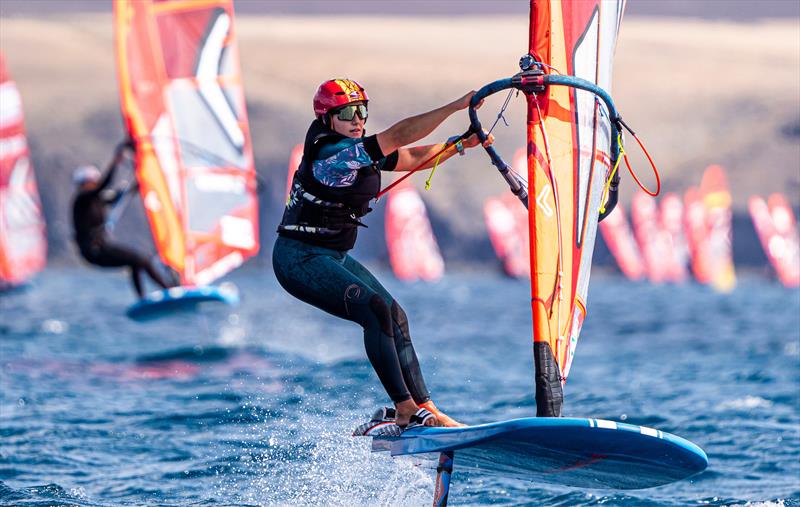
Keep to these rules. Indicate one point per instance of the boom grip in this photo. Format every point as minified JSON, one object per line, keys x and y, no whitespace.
{"x":516,"y":186}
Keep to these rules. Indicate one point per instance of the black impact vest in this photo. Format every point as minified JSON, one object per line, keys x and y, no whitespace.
{"x":327,"y":216}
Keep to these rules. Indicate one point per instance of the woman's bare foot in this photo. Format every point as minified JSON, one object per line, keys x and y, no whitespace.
{"x":406,"y":409}
{"x":443,"y":418}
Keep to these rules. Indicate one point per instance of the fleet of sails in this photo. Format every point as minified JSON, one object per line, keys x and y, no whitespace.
{"x":182,"y":100}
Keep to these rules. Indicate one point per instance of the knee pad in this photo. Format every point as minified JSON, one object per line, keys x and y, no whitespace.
{"x":381,"y":311}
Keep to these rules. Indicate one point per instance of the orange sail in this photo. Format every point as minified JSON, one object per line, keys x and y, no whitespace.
{"x":183,"y":104}
{"x":569,"y":160}
{"x":708,"y":230}
{"x":294,"y":163}
{"x":23,"y":242}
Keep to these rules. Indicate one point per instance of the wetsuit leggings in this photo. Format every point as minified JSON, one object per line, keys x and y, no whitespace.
{"x":110,"y":255}
{"x":338,"y":284}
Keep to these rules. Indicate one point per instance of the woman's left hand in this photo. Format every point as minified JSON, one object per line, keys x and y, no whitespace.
{"x":472,"y":141}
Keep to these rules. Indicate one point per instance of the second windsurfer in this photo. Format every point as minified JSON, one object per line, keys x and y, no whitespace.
{"x":89,"y":213}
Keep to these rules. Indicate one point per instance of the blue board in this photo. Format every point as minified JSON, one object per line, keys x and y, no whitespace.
{"x":180,"y":299}
{"x":583,"y":453}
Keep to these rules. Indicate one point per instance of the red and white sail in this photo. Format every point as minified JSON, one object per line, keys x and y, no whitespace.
{"x":777,"y":230}
{"x":23,"y":241}
{"x":183,"y":103}
{"x":618,"y":236}
{"x":507,"y":224}
{"x":653,"y":241}
{"x":672,"y":223}
{"x":413,"y":251}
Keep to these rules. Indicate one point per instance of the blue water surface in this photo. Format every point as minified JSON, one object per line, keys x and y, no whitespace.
{"x":255,"y":405}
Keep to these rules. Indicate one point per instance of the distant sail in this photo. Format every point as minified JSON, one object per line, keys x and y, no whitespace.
{"x":183,"y":103}
{"x":672,"y":223}
{"x":413,"y":251}
{"x":777,"y":231}
{"x":507,"y":224}
{"x":569,"y":160}
{"x":717,"y":201}
{"x":654,"y":242}
{"x":697,"y":235}
{"x":23,"y":241}
{"x":618,"y":236}
{"x":708,"y":230}
{"x":295,"y":157}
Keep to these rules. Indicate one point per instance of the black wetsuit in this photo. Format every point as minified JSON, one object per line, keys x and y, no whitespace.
{"x":89,"y":220}
{"x":331,"y":191}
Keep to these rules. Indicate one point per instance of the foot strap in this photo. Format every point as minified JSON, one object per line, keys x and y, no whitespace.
{"x":420,"y":417}
{"x":382,"y":423}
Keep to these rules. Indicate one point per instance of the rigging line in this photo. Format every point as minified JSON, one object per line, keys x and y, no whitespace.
{"x":607,"y":185}
{"x":447,"y":145}
{"x":649,"y":159}
{"x":500,"y":115}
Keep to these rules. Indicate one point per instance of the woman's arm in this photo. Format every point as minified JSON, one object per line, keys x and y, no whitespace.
{"x":415,"y":128}
{"x":409,"y":159}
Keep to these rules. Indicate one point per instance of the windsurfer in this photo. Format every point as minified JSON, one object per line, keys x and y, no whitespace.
{"x":338,"y":175}
{"x":89,"y":212}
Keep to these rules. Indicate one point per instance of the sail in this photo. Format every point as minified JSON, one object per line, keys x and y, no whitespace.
{"x":569,"y":159}
{"x":654,"y":242}
{"x":618,"y":235}
{"x":295,"y":157}
{"x":507,"y":223}
{"x":717,"y":201}
{"x":183,"y":104}
{"x":777,"y":230}
{"x":697,"y":235}
{"x":413,"y":251}
{"x":23,"y":242}
{"x":672,"y":222}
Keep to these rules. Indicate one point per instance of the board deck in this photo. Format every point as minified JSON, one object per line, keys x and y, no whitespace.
{"x":584,"y":453}
{"x":180,"y":299}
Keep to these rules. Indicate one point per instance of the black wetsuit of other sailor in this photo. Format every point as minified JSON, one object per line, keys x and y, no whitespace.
{"x":89,"y":213}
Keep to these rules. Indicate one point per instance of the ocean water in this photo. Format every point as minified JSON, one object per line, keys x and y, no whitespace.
{"x":255,"y":405}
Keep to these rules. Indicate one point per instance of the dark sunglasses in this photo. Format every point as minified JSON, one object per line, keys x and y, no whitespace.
{"x":347,"y":113}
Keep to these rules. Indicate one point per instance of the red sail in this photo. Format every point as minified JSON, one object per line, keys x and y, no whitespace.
{"x":23,"y":242}
{"x":183,"y":103}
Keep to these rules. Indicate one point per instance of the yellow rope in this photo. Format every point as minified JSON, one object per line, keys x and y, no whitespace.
{"x":611,"y":176}
{"x":435,"y":165}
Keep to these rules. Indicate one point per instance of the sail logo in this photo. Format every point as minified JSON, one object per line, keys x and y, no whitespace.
{"x":541,"y":204}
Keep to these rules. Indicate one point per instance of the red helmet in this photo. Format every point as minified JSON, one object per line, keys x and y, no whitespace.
{"x":336,"y":93}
